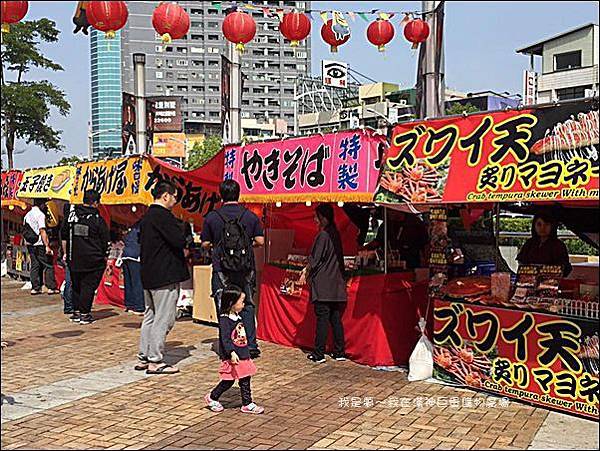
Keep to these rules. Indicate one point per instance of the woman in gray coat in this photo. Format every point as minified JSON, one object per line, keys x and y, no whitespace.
{"x":325,"y":272}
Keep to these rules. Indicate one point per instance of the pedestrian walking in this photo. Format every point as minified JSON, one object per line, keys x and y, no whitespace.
{"x":325,"y":272}
{"x":236,"y":362}
{"x":163,"y":268}
{"x":85,"y":239}
{"x":232,"y":231}
{"x":132,"y":269}
{"x":38,"y":246}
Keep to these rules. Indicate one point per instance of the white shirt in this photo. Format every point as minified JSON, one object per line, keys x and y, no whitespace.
{"x":36,"y":220}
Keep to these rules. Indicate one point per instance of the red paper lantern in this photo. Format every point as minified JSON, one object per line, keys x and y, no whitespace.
{"x":239,"y":28}
{"x":12,"y":12}
{"x":329,"y":37}
{"x":109,"y":17}
{"x":295,"y":27}
{"x":170,"y":21}
{"x":380,"y":33}
{"x":416,"y":31}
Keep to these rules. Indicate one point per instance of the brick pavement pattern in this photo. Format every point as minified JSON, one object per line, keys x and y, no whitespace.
{"x":307,"y":406}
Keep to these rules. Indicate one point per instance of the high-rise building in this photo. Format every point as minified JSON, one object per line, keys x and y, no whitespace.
{"x":105,"y":134}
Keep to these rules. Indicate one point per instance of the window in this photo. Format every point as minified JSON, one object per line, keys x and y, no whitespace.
{"x":182,"y":49}
{"x":182,"y":88}
{"x":159,"y":49}
{"x":197,"y":49}
{"x":213,"y":37}
{"x":158,"y":62}
{"x":182,"y":62}
{"x":158,"y":75}
{"x":197,"y":63}
{"x":215,"y":114}
{"x":197,"y":37}
{"x":213,"y":11}
{"x":197,"y":11}
{"x":575,"y":92}
{"x":182,"y":76}
{"x":565,"y":61}
{"x":213,"y":63}
{"x":198,"y":88}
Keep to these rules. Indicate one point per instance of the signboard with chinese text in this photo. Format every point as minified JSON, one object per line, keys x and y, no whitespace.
{"x":47,"y":183}
{"x":166,"y":113}
{"x":10,"y":187}
{"x":168,"y":145}
{"x":529,"y":87}
{"x":337,"y":167}
{"x":544,"y":359}
{"x":334,"y":74}
{"x":539,"y":154}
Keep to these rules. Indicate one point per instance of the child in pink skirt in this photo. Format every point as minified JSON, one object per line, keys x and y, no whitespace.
{"x":236,"y":363}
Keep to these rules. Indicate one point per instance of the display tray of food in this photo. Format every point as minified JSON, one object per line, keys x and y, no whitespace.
{"x":349,"y":273}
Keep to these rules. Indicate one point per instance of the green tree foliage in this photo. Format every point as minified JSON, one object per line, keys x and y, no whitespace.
{"x":457,"y":108}
{"x":69,"y":160}
{"x":25,"y":104}
{"x":201,"y":153}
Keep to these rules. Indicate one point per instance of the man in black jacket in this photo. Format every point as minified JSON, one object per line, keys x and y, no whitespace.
{"x":162,"y":242}
{"x":85,"y":239}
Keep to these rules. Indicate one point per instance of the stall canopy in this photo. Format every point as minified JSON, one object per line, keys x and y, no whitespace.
{"x":47,"y":183}
{"x":10,"y":187}
{"x":539,"y":154}
{"x":336,"y":167}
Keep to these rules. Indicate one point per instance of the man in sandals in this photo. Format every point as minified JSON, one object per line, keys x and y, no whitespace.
{"x":162,"y":242}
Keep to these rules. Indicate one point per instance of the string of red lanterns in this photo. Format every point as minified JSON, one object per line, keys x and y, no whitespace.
{"x":171,"y":21}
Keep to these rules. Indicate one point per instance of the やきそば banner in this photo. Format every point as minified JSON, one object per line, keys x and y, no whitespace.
{"x":536,"y":154}
{"x":543,"y":359}
{"x":47,"y":183}
{"x":342,"y":166}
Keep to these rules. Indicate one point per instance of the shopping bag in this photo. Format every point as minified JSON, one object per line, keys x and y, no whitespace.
{"x":420,"y":363}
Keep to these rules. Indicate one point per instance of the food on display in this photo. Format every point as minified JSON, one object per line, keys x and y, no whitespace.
{"x":468,"y":286}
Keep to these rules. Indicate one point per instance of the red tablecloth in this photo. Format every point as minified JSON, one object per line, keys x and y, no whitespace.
{"x":112,"y":287}
{"x":380,"y":318}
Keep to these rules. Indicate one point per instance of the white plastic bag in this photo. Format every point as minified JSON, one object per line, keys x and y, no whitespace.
{"x":420,"y":364}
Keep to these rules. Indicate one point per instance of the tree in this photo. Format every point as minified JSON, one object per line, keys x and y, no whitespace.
{"x":458,"y":108}
{"x":69,"y":160}
{"x":201,"y":153}
{"x":26,"y":104}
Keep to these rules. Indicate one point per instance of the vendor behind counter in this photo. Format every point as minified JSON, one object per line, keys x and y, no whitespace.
{"x":407,"y":234}
{"x":544,"y":247}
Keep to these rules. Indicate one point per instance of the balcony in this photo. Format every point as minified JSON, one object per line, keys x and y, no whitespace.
{"x":568,"y":78}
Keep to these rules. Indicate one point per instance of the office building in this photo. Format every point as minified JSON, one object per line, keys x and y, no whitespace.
{"x":569,"y":66}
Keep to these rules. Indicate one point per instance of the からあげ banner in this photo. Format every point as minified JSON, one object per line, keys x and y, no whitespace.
{"x":118,"y":181}
{"x":47,"y":183}
{"x":543,"y":359}
{"x":537,"y":154}
{"x":336,"y":167}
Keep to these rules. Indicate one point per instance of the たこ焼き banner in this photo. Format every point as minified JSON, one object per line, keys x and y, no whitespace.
{"x":47,"y":183}
{"x":336,"y":167}
{"x":536,"y":154}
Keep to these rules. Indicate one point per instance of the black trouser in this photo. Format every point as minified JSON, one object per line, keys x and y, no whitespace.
{"x":224,"y":385}
{"x":42,"y":268}
{"x":134,"y":291}
{"x":84,"y":288}
{"x":329,"y":313}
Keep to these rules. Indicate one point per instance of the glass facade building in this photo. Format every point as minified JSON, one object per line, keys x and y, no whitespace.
{"x":106,"y":94}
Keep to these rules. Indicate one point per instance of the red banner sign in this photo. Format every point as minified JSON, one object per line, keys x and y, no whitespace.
{"x":543,"y":359}
{"x":10,"y":185}
{"x":541,"y":154}
{"x":341,"y":166}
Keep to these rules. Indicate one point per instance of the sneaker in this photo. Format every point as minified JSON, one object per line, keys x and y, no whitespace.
{"x":74,"y":318}
{"x":339,"y":357}
{"x":215,"y":406}
{"x":86,"y":319}
{"x":253,"y":409}
{"x":315,"y":358}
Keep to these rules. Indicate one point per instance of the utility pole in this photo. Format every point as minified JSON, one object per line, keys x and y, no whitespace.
{"x":235,"y":95}
{"x":433,"y":61}
{"x":139,"y":66}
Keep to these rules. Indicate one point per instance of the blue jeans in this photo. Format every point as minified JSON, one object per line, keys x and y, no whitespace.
{"x":219,"y":281}
{"x":68,"y":295}
{"x":134,"y":291}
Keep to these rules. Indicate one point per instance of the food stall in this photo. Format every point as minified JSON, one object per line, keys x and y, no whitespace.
{"x":14,"y":250}
{"x":531,"y":336}
{"x":286,"y":177}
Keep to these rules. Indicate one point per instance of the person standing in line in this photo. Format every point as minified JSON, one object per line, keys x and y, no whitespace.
{"x":163,"y":263}
{"x":134,"y":291}
{"x":325,"y":272}
{"x":68,"y":301}
{"x":232,"y":231}
{"x":85,"y":250}
{"x":38,"y":246}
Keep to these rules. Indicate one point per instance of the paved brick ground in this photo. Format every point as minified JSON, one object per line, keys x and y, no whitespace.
{"x":305,"y":404}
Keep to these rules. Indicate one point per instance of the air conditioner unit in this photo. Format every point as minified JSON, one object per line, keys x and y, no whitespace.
{"x":590,"y":93}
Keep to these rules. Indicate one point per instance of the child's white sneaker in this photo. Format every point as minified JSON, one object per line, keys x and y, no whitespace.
{"x":215,"y":406}
{"x":253,"y":409}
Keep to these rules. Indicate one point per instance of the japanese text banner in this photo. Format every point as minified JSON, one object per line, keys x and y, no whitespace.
{"x":47,"y":183}
{"x":540,"y":154}
{"x":323,"y":168}
{"x":118,"y":181}
{"x":10,"y":186}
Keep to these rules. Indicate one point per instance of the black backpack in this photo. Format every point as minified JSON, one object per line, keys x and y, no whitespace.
{"x":235,"y":248}
{"x":29,"y":234}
